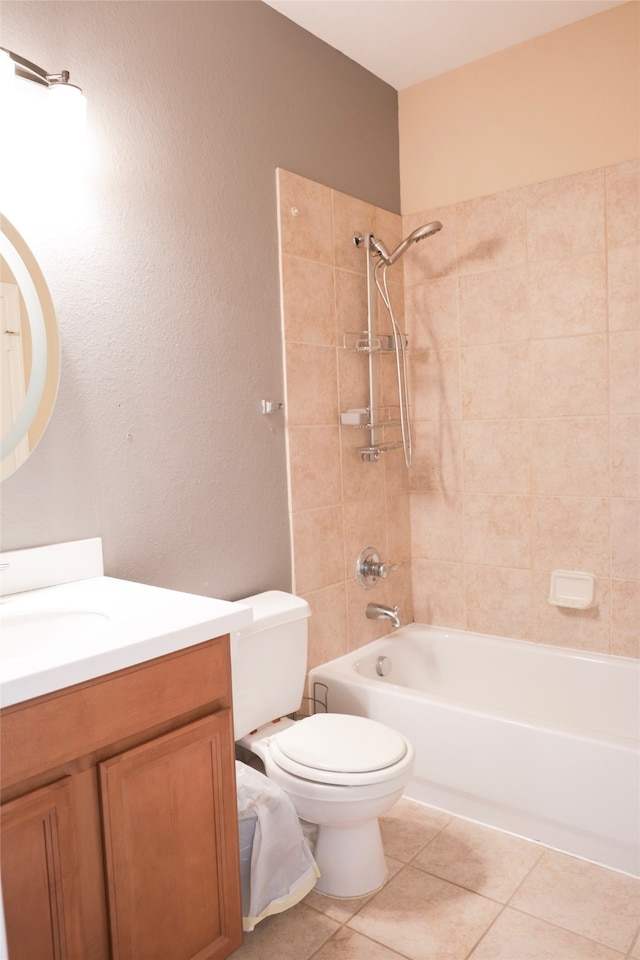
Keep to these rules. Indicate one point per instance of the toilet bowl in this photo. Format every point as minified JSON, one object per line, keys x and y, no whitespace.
{"x":373,"y":764}
{"x":341,"y":772}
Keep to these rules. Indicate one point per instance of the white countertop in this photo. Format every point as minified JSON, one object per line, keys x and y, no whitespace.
{"x":56,"y":636}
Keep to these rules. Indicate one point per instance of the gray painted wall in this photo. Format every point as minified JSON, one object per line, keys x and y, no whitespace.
{"x":168,"y":295}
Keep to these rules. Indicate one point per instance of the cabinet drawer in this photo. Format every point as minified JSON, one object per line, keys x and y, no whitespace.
{"x":43,"y":734}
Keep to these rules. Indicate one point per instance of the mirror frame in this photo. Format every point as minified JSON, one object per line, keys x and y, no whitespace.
{"x":45,"y":362}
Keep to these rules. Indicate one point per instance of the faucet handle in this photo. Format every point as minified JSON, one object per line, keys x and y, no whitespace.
{"x":370,"y":569}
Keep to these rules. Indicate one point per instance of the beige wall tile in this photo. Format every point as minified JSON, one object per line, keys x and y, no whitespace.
{"x":396,"y":474}
{"x":350,"y":216}
{"x":365,"y":526}
{"x":491,"y":232}
{"x":431,"y":314}
{"x":570,"y":457}
{"x":318,"y":549}
{"x":571,"y":533}
{"x":361,"y":480}
{"x":623,"y":204}
{"x":569,"y":377}
{"x":436,"y":526}
{"x":493,"y":306}
{"x":388,"y":395}
{"x":353,"y":383}
{"x":434,"y":378}
{"x":308,"y":301}
{"x":495,"y":381}
{"x":305,"y":218}
{"x":497,"y":530}
{"x":624,"y":372}
{"x":398,"y":527}
{"x":350,"y":303}
{"x":314,"y":465}
{"x":625,"y":618}
{"x":327,"y":624}
{"x":625,"y":539}
{"x":625,"y":456}
{"x":306,"y":367}
{"x":623,"y":288}
{"x":438,"y":593}
{"x":437,"y":459}
{"x":566,"y":217}
{"x":569,"y":296}
{"x":498,"y":601}
{"x":496,"y":456}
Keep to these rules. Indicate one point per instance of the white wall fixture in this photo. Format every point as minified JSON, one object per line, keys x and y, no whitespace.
{"x":572,"y":588}
{"x":42,"y":125}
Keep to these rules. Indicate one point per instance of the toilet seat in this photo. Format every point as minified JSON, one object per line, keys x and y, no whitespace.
{"x":340,"y":749}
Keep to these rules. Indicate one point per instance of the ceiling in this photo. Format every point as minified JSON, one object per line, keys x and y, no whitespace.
{"x":407,"y":41}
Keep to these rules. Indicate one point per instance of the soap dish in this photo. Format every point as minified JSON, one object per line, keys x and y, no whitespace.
{"x":572,"y":588}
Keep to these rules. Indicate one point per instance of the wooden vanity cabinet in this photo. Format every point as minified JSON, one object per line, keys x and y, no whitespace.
{"x":119,"y":820}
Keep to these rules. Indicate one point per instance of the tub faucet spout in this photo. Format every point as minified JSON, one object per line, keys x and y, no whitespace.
{"x":377,"y":611}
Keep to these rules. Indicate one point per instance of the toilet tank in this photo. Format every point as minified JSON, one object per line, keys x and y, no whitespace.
{"x":269,"y":660}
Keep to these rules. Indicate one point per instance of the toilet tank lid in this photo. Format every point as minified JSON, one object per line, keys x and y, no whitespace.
{"x":273,"y":607}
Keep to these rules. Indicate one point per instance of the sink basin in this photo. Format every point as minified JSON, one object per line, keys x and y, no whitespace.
{"x":62,"y":622}
{"x":30,"y":633}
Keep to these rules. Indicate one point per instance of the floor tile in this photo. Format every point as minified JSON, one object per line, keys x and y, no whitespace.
{"x":293,"y":935}
{"x":425,"y":918}
{"x":408,"y":826}
{"x":635,"y":950}
{"x":479,"y":858}
{"x":515,"y":935}
{"x":346,"y":944}
{"x":583,"y":897}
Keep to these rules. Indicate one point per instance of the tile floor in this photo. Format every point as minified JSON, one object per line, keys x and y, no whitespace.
{"x":459,"y":891}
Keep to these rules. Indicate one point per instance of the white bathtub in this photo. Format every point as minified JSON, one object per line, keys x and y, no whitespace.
{"x":536,"y":740}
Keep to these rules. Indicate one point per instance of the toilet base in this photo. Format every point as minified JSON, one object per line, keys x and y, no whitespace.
{"x":350,"y":859}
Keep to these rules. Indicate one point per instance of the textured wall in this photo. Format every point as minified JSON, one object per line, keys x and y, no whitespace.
{"x":560,"y":103}
{"x":166,"y":280}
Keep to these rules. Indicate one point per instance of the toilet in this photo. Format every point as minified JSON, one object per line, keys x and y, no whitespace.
{"x":342,"y":772}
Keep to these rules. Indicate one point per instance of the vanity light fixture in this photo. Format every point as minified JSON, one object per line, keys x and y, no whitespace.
{"x":31,"y":71}
{"x":13,"y":65}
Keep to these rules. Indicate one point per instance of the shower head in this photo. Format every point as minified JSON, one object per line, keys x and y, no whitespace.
{"x":420,"y":233}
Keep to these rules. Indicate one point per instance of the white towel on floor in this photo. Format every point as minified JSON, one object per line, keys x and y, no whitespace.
{"x":282,"y":869}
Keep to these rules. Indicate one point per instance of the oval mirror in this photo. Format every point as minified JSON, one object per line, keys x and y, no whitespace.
{"x":30,"y":348}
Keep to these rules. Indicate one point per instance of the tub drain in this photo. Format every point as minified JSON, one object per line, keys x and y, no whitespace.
{"x":383,"y":666}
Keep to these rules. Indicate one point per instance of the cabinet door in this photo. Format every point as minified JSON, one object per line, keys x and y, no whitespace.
{"x":171,"y":845}
{"x":39,"y":875}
